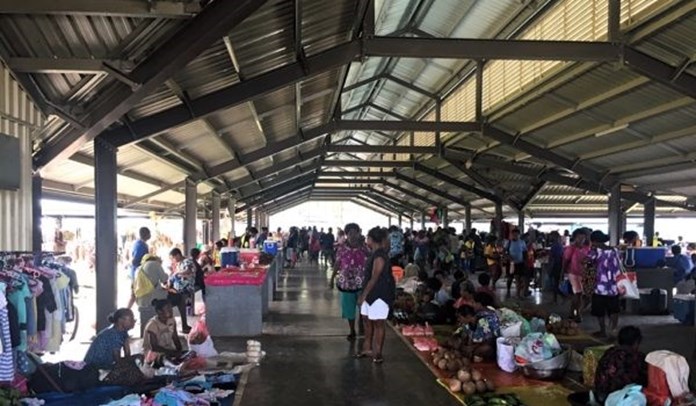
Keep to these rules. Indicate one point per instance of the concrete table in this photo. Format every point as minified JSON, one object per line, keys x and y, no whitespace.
{"x":236,"y":310}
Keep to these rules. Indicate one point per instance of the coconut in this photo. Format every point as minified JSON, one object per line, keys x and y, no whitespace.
{"x":476,"y":375}
{"x":481,"y":387}
{"x":442,"y":364}
{"x":452,"y":366}
{"x":469,"y":388}
{"x":489,"y":385}
{"x":464,"y":375}
{"x":455,"y":385}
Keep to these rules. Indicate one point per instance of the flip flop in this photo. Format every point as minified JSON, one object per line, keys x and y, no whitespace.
{"x":362,"y":355}
{"x":378,"y":360}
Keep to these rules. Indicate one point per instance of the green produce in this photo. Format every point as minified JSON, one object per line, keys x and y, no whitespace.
{"x":493,"y":399}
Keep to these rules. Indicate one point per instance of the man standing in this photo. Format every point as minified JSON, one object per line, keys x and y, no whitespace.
{"x":140,"y":249}
{"x":327,"y":247}
{"x":517,"y":251}
{"x":681,"y":264}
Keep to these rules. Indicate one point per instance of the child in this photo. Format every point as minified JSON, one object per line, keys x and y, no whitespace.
{"x":161,"y":339}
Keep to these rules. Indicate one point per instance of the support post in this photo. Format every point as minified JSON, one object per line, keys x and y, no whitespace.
{"x":250,"y":217}
{"x":615,"y":214}
{"x":389,"y":223}
{"x":190,"y":212}
{"x":649,"y":222}
{"x":36,"y":214}
{"x":423,"y":221}
{"x":445,"y":217}
{"x":400,"y":221}
{"x":106,"y":198}
{"x":231,"y":206}
{"x":215,"y":221}
{"x":438,"y":118}
{"x":479,"y":91}
{"x":499,"y":220}
{"x":412,"y":222}
{"x":467,"y":219}
{"x":520,"y":221}
{"x":614,"y":21}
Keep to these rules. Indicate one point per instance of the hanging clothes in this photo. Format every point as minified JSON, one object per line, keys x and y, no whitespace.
{"x":7,"y":371}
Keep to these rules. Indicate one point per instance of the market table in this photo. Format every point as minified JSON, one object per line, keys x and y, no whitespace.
{"x":237,"y":299}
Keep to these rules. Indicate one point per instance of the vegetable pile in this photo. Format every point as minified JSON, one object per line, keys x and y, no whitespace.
{"x":564,"y":328}
{"x":493,"y":399}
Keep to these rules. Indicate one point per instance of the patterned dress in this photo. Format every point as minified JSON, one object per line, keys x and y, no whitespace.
{"x":350,"y":263}
{"x":608,"y":266}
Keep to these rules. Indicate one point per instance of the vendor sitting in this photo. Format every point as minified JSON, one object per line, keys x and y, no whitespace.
{"x":621,"y":365}
{"x":106,"y":348}
{"x":480,"y":323}
{"x":161,"y":339}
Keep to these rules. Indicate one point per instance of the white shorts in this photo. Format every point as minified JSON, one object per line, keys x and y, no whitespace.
{"x":378,"y":310}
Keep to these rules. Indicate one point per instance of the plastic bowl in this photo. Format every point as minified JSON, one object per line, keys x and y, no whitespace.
{"x":550,"y":369}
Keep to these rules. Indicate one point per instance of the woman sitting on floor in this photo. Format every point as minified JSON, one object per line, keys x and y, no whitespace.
{"x":105,"y":350}
{"x":481,"y":325}
{"x":621,"y":365}
{"x":161,"y":339}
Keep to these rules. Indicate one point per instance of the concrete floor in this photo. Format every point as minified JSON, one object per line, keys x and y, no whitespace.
{"x":310,"y":362}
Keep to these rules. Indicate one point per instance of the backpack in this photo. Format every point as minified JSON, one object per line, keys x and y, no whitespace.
{"x":142,"y":286}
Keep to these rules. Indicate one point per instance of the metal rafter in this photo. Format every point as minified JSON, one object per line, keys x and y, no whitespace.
{"x":217,"y":19}
{"x":120,"y":8}
{"x":456,"y":182}
{"x":660,"y":72}
{"x":65,"y":65}
{"x":422,"y":126}
{"x":385,"y":149}
{"x":367,"y":164}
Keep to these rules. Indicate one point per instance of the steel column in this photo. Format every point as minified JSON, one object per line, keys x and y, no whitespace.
{"x":231,"y":206}
{"x":614,"y":21}
{"x":400,"y":221}
{"x":615,"y":214}
{"x":423,"y":221}
{"x":438,"y":119}
{"x":106,"y":200}
{"x":36,"y":215}
{"x":499,"y":220}
{"x":215,"y":221}
{"x":250,"y":217}
{"x":520,"y":221}
{"x":649,"y":222}
{"x":467,"y":218}
{"x":411,"y":223}
{"x":390,"y":221}
{"x":190,"y":213}
{"x":445,"y":217}
{"x":479,"y":91}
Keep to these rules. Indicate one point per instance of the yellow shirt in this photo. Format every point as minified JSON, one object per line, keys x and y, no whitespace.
{"x":490,"y":251}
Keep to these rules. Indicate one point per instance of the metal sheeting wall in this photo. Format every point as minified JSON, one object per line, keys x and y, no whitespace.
{"x":18,"y":118}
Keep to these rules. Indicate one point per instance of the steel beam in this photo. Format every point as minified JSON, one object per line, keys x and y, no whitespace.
{"x":448,"y":179}
{"x":331,"y":189}
{"x":280,"y":191}
{"x":421,"y":126}
{"x":367,"y":205}
{"x":235,"y":94}
{"x":465,"y":48}
{"x":381,"y":149}
{"x":367,"y":164}
{"x":362,"y":83}
{"x":660,"y":72}
{"x":387,"y":111}
{"x":89,"y":161}
{"x":148,"y":196}
{"x":349,"y":181}
{"x":105,"y":199}
{"x":411,"y":193}
{"x":386,"y":206}
{"x":299,"y":173}
{"x":358,"y":174}
{"x":536,"y":188}
{"x":106,"y":8}
{"x":410,"y":86}
{"x":278,"y":183}
{"x":438,"y":192}
{"x":272,"y":149}
{"x":216,"y":20}
{"x":65,"y":65}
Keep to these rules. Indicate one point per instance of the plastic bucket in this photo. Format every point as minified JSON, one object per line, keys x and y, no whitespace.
{"x":229,"y":256}
{"x":270,"y":247}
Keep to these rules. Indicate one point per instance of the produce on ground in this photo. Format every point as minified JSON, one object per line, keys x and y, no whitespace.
{"x":563,"y":328}
{"x":493,"y":399}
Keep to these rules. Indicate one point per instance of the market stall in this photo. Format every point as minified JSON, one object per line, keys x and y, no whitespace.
{"x":238,"y":296}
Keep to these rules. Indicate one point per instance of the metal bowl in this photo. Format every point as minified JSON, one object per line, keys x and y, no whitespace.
{"x":550,"y":369}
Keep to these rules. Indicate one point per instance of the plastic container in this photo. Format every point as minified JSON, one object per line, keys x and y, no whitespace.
{"x":684,"y":308}
{"x":550,"y":369}
{"x":229,"y":256}
{"x":270,"y":247}
{"x":645,"y":257}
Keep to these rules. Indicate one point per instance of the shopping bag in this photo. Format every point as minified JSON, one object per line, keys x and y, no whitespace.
{"x":631,"y":395}
{"x":628,"y":285}
{"x":506,"y":353}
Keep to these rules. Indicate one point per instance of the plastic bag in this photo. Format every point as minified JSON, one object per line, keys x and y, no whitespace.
{"x":538,"y":325}
{"x":205,"y":349}
{"x":506,"y":353}
{"x":511,"y":330}
{"x":537,"y":347}
{"x":631,"y":395}
{"x":565,"y":287}
{"x":628,"y":285}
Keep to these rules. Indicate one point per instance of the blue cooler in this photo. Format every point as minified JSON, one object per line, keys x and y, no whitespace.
{"x":270,"y":247}
{"x":685,"y":309}
{"x":646,"y":257}
{"x":229,"y":256}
